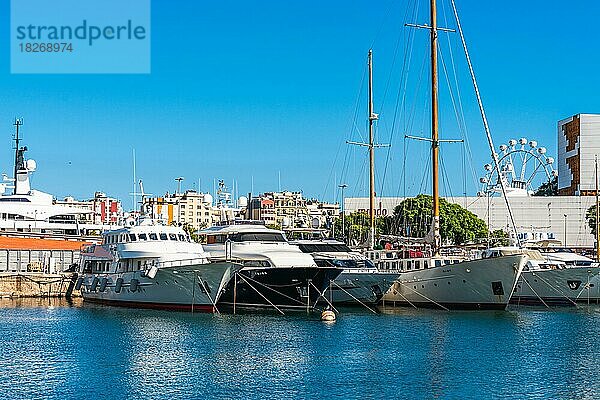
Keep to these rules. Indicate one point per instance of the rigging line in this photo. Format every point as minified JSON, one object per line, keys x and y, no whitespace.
{"x":484,"y":118}
{"x":396,"y":47}
{"x":455,"y":107}
{"x":386,"y":14}
{"x":412,"y":112}
{"x":402,"y":90}
{"x":394,"y":57}
{"x":446,"y":182}
{"x":352,"y":126}
{"x":461,"y":108}
{"x":452,"y":97}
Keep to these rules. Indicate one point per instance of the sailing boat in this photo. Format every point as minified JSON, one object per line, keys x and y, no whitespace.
{"x":430,"y":278}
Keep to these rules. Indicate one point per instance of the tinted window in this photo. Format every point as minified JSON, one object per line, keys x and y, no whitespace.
{"x":142,"y":236}
{"x":153,"y":236}
{"x":172,"y":236}
{"x":181,"y":238}
{"x":324,"y":248}
{"x":132,"y":237}
{"x":258,"y":237}
{"x":163,"y":236}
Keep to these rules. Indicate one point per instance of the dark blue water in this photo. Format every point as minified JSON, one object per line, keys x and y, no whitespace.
{"x":59,"y":352}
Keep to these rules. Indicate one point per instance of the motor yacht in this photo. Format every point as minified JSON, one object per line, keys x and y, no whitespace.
{"x":275,"y":274}
{"x":152,"y":265}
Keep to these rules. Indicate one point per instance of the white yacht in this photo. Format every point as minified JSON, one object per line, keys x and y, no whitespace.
{"x":449,"y":281}
{"x":275,"y":273}
{"x":26,"y":210}
{"x":360,"y":281}
{"x":151,"y":265}
{"x":574,"y":260}
{"x":550,"y":280}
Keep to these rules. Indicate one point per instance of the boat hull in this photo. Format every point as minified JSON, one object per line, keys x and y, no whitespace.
{"x":194,"y":287}
{"x":293,"y":288}
{"x":560,"y":287}
{"x":473,"y":284}
{"x":353,"y":287}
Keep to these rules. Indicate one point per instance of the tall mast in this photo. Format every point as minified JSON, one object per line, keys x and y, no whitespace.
{"x":17,"y":123}
{"x":434,"y":131}
{"x":597,"y":214}
{"x":372,"y":119}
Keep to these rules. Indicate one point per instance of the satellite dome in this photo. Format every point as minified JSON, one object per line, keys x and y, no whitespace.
{"x":31,"y":165}
{"x":208,"y":199}
{"x":243,"y":201}
{"x":523,"y":141}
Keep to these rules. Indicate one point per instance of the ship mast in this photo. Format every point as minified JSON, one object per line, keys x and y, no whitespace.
{"x":437,"y":240}
{"x":597,"y":214}
{"x":17,"y":123}
{"x":372,"y":119}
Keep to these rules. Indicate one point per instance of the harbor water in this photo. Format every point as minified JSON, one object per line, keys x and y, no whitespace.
{"x":55,"y":350}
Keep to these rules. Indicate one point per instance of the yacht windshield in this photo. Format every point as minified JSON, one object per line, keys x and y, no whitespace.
{"x":324,"y":248}
{"x":257,"y":237}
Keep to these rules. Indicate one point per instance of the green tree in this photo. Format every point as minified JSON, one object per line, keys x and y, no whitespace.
{"x":191,"y":231}
{"x":356,"y":227}
{"x":499,"y":238}
{"x":590,"y":216}
{"x":458,"y":226}
{"x":549,"y":188}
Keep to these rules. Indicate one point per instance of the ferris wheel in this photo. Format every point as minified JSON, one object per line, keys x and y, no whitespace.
{"x":523,"y":168}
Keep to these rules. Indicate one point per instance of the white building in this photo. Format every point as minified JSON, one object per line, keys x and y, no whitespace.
{"x":531,"y":214}
{"x":578,"y":145}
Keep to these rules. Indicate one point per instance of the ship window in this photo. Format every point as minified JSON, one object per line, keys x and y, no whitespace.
{"x":446,"y":262}
{"x":181,"y":238}
{"x":456,"y":262}
{"x":139,"y":265}
{"x":172,"y":236}
{"x":132,"y":237}
{"x":257,"y":237}
{"x":163,"y":236}
{"x":417,"y":264}
{"x":408,"y":265}
{"x":438,"y":263}
{"x":425,"y":264}
{"x":143,"y":236}
{"x":153,"y":236}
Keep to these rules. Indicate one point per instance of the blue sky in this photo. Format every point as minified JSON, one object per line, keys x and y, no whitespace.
{"x":248,"y":90}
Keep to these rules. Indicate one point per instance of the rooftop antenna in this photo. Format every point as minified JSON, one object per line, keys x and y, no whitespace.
{"x":179,"y":184}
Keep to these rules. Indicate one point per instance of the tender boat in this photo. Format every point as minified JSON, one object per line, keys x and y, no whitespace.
{"x":151,"y":265}
{"x":360,"y":281}
{"x":275,"y":274}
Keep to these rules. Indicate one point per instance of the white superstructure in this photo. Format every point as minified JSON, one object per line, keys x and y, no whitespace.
{"x":155,"y":266}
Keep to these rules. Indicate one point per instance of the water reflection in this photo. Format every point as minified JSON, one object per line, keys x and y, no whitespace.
{"x":57,"y":350}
